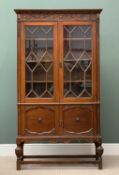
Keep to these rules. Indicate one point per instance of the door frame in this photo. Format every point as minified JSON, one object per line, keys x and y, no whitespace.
{"x":21,"y":68}
{"x":94,"y":64}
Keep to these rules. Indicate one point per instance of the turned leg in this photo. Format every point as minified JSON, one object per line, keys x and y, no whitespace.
{"x":22,"y":146}
{"x":99,"y":152}
{"x":19,"y":154}
{"x":96,"y":145}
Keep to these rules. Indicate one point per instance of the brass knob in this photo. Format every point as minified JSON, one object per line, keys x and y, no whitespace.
{"x":40,"y":119}
{"x":77,"y":119}
{"x":60,"y":16}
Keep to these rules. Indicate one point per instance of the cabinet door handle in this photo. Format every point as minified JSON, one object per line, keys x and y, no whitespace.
{"x":40,"y":119}
{"x":77,"y":119}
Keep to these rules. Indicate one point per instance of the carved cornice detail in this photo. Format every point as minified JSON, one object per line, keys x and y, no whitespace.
{"x":57,"y":17}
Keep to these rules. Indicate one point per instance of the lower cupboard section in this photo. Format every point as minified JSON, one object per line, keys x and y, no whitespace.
{"x":59,"y":120}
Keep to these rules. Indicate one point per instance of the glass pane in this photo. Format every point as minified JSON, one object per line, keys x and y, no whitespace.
{"x":39,"y":61}
{"x":78,"y":61}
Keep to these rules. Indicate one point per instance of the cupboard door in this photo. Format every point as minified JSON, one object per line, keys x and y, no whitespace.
{"x":78,"y":75}
{"x":39,"y":61}
{"x":78,"y":120}
{"x":40,"y":120}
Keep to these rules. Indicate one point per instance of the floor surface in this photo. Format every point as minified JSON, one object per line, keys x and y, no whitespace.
{"x":110,"y":167}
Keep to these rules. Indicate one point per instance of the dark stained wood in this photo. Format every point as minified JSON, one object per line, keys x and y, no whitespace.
{"x":61,"y":103}
{"x":59,"y":161}
{"x":58,"y":119}
{"x":85,"y":11}
{"x":59,"y":156}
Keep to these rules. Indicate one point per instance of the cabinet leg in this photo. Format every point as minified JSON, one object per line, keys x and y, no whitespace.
{"x":100,"y":163}
{"x":96,"y":145}
{"x":99,"y":152}
{"x":22,"y":146}
{"x":18,"y":165}
{"x":19,"y":154}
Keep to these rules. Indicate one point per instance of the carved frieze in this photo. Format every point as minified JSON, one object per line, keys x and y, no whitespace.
{"x":51,"y":132}
{"x":57,"y":17}
{"x":88,"y":132}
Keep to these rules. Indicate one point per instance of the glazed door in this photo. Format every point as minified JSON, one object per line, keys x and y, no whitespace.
{"x":39,"y":62}
{"x":78,"y":77}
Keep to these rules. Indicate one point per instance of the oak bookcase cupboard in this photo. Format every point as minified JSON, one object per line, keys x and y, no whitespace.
{"x":58,"y":82}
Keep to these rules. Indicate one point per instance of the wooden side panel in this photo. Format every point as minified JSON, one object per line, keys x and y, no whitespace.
{"x":21,"y":120}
